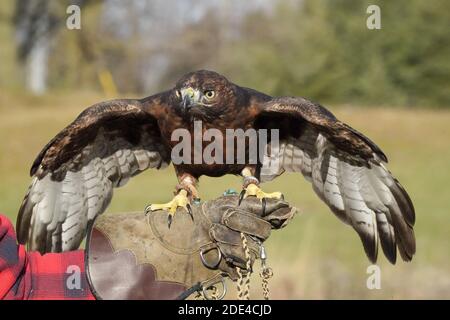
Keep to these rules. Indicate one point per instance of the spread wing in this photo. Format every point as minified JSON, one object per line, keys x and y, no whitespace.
{"x":347,"y":171}
{"x":74,"y":175}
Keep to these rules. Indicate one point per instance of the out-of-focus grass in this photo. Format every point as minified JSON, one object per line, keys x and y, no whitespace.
{"x":316,"y":256}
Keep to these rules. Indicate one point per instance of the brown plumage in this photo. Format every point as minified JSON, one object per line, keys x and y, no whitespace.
{"x":74,"y":175}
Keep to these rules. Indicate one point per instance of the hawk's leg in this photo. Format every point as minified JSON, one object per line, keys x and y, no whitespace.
{"x":251,"y":188}
{"x":185,"y":191}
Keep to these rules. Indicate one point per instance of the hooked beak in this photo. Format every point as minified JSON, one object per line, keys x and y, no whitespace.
{"x":189,"y":97}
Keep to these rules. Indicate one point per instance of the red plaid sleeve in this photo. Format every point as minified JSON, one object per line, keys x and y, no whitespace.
{"x":34,"y":276}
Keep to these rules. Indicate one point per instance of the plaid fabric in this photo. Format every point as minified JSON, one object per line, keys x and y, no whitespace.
{"x":30,"y":275}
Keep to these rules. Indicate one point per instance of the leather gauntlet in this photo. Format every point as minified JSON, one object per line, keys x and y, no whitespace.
{"x":134,"y":256}
{"x":228,"y":221}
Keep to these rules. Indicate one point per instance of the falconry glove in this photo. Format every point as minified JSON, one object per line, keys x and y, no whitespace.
{"x":136,"y":256}
{"x":231,"y":222}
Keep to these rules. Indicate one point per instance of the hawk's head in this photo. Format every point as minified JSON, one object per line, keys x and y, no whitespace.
{"x":204,"y":94}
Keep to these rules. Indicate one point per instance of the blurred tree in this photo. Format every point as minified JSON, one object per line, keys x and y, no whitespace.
{"x":36,"y":24}
{"x":9,"y":75}
{"x":322,"y":49}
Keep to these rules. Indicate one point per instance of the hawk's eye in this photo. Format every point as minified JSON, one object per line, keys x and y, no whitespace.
{"x":209,"y":94}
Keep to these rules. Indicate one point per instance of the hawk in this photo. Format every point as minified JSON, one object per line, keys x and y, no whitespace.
{"x":74,"y":175}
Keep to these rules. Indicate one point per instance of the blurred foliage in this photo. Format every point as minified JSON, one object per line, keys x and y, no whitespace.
{"x":323,"y":50}
{"x":320,"y":49}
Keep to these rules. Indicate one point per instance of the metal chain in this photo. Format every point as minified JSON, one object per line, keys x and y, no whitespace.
{"x":243,"y":286}
{"x":266,"y":272}
{"x":213,"y":296}
{"x":215,"y":293}
{"x":265,"y":275}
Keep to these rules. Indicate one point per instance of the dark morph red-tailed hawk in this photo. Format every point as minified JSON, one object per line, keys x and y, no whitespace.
{"x":110,"y":142}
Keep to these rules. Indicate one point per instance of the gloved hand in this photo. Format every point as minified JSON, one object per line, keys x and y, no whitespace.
{"x":136,"y":256}
{"x":230,"y":223}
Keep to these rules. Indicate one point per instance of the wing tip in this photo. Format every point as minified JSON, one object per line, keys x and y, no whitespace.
{"x":370,"y":245}
{"x":403,"y":198}
{"x":390,"y":251}
{"x":22,"y":227}
{"x":24,"y":220}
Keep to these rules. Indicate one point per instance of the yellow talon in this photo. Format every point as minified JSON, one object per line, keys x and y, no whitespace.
{"x":180,"y":200}
{"x":254,"y":190}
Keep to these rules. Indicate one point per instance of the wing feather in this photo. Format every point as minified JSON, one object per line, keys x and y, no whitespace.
{"x":74,"y":175}
{"x":347,"y":171}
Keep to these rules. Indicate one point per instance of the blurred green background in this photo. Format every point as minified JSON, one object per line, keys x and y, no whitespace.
{"x":392,"y":84}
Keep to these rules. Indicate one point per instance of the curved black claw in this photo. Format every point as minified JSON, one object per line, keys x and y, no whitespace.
{"x":147,"y":209}
{"x":169,"y":220}
{"x":241,"y":196}
{"x":264,"y":203}
{"x":189,"y":210}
